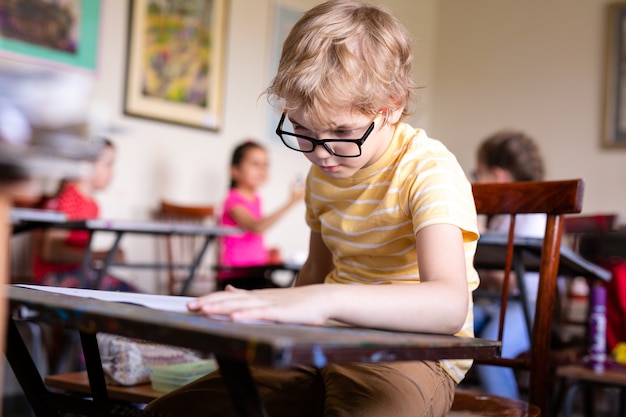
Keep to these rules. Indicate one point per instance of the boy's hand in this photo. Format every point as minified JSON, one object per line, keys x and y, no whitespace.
{"x":303,"y":305}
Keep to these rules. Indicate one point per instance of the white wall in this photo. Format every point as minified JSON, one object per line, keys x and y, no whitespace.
{"x":533,"y":65}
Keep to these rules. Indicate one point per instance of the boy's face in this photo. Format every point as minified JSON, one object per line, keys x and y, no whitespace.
{"x":343,"y":120}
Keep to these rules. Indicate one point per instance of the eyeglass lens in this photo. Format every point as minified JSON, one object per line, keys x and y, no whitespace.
{"x":304,"y":145}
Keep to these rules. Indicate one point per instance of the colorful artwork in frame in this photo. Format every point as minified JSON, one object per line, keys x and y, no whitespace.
{"x":176,"y":61}
{"x":51,"y":32}
{"x":615,"y":104}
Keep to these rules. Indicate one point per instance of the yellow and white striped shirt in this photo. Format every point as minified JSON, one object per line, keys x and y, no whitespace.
{"x":369,"y":221}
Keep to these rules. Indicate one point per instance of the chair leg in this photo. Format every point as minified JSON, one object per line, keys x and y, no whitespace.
{"x":561,"y":387}
{"x":588,"y":399}
{"x":570,"y":395}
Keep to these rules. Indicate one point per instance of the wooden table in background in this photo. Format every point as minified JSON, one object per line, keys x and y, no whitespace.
{"x":24,"y":220}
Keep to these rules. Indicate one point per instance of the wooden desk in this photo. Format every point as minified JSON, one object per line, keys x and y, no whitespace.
{"x":235,"y":346}
{"x":25,"y":219}
{"x":30,"y":219}
{"x":491,"y":253}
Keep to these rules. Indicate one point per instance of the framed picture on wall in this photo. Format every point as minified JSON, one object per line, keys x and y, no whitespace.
{"x":175,"y":61}
{"x":615,"y":104}
{"x":52,"y":33}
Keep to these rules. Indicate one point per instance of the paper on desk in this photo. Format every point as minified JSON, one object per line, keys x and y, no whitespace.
{"x":158,"y":302}
{"x":174,"y":303}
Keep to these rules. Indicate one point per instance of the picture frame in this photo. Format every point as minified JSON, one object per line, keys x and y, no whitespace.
{"x":175,"y":61}
{"x":615,"y":96}
{"x":69,"y":37}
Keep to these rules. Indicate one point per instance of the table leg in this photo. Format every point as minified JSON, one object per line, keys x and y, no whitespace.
{"x":108,"y":260}
{"x":86,"y":263}
{"x":243,"y":392}
{"x":93,"y":363}
{"x":56,"y":404}
{"x":195,"y":264}
{"x":27,"y":373}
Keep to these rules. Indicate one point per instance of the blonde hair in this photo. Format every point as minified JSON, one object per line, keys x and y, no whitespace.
{"x":344,"y":53}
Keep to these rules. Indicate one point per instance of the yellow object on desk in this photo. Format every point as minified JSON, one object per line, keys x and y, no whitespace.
{"x":619,"y":352}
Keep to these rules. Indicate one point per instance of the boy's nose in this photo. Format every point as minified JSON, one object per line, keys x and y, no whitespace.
{"x":321,"y":152}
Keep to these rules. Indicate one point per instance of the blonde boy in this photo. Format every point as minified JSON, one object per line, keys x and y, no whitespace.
{"x":392,"y":219}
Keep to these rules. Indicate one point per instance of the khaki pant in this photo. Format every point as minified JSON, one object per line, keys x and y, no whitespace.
{"x":393,"y":389}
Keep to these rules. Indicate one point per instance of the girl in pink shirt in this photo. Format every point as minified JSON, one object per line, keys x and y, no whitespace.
{"x":242,"y":208}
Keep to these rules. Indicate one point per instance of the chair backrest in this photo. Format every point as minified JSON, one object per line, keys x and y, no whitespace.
{"x":592,"y":223}
{"x":555,"y":199}
{"x":185,"y":212}
{"x":181,"y":249}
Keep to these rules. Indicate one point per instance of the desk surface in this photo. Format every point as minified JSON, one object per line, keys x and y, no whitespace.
{"x":26,"y":219}
{"x":269,"y":344}
{"x":153,"y":227}
{"x":491,"y":254}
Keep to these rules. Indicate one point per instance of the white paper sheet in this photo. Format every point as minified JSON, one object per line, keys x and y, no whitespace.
{"x":158,"y":302}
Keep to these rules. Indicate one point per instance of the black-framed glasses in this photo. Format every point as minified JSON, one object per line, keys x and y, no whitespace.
{"x":345,"y":148}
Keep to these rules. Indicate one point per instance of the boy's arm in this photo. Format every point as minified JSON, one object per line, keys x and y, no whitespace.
{"x":438,"y":304}
{"x":318,"y":264}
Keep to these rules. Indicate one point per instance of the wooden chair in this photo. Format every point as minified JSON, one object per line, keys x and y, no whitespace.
{"x":181,"y":249}
{"x":555,"y":199}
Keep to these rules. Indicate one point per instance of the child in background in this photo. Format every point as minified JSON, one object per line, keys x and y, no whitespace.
{"x":242,"y":208}
{"x":507,"y":156}
{"x":392,"y":220}
{"x":58,"y":254}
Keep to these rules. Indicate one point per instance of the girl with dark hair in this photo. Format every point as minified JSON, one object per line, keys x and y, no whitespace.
{"x":242,"y":208}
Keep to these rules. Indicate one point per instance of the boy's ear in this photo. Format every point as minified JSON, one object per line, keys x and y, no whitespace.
{"x":394,"y":114}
